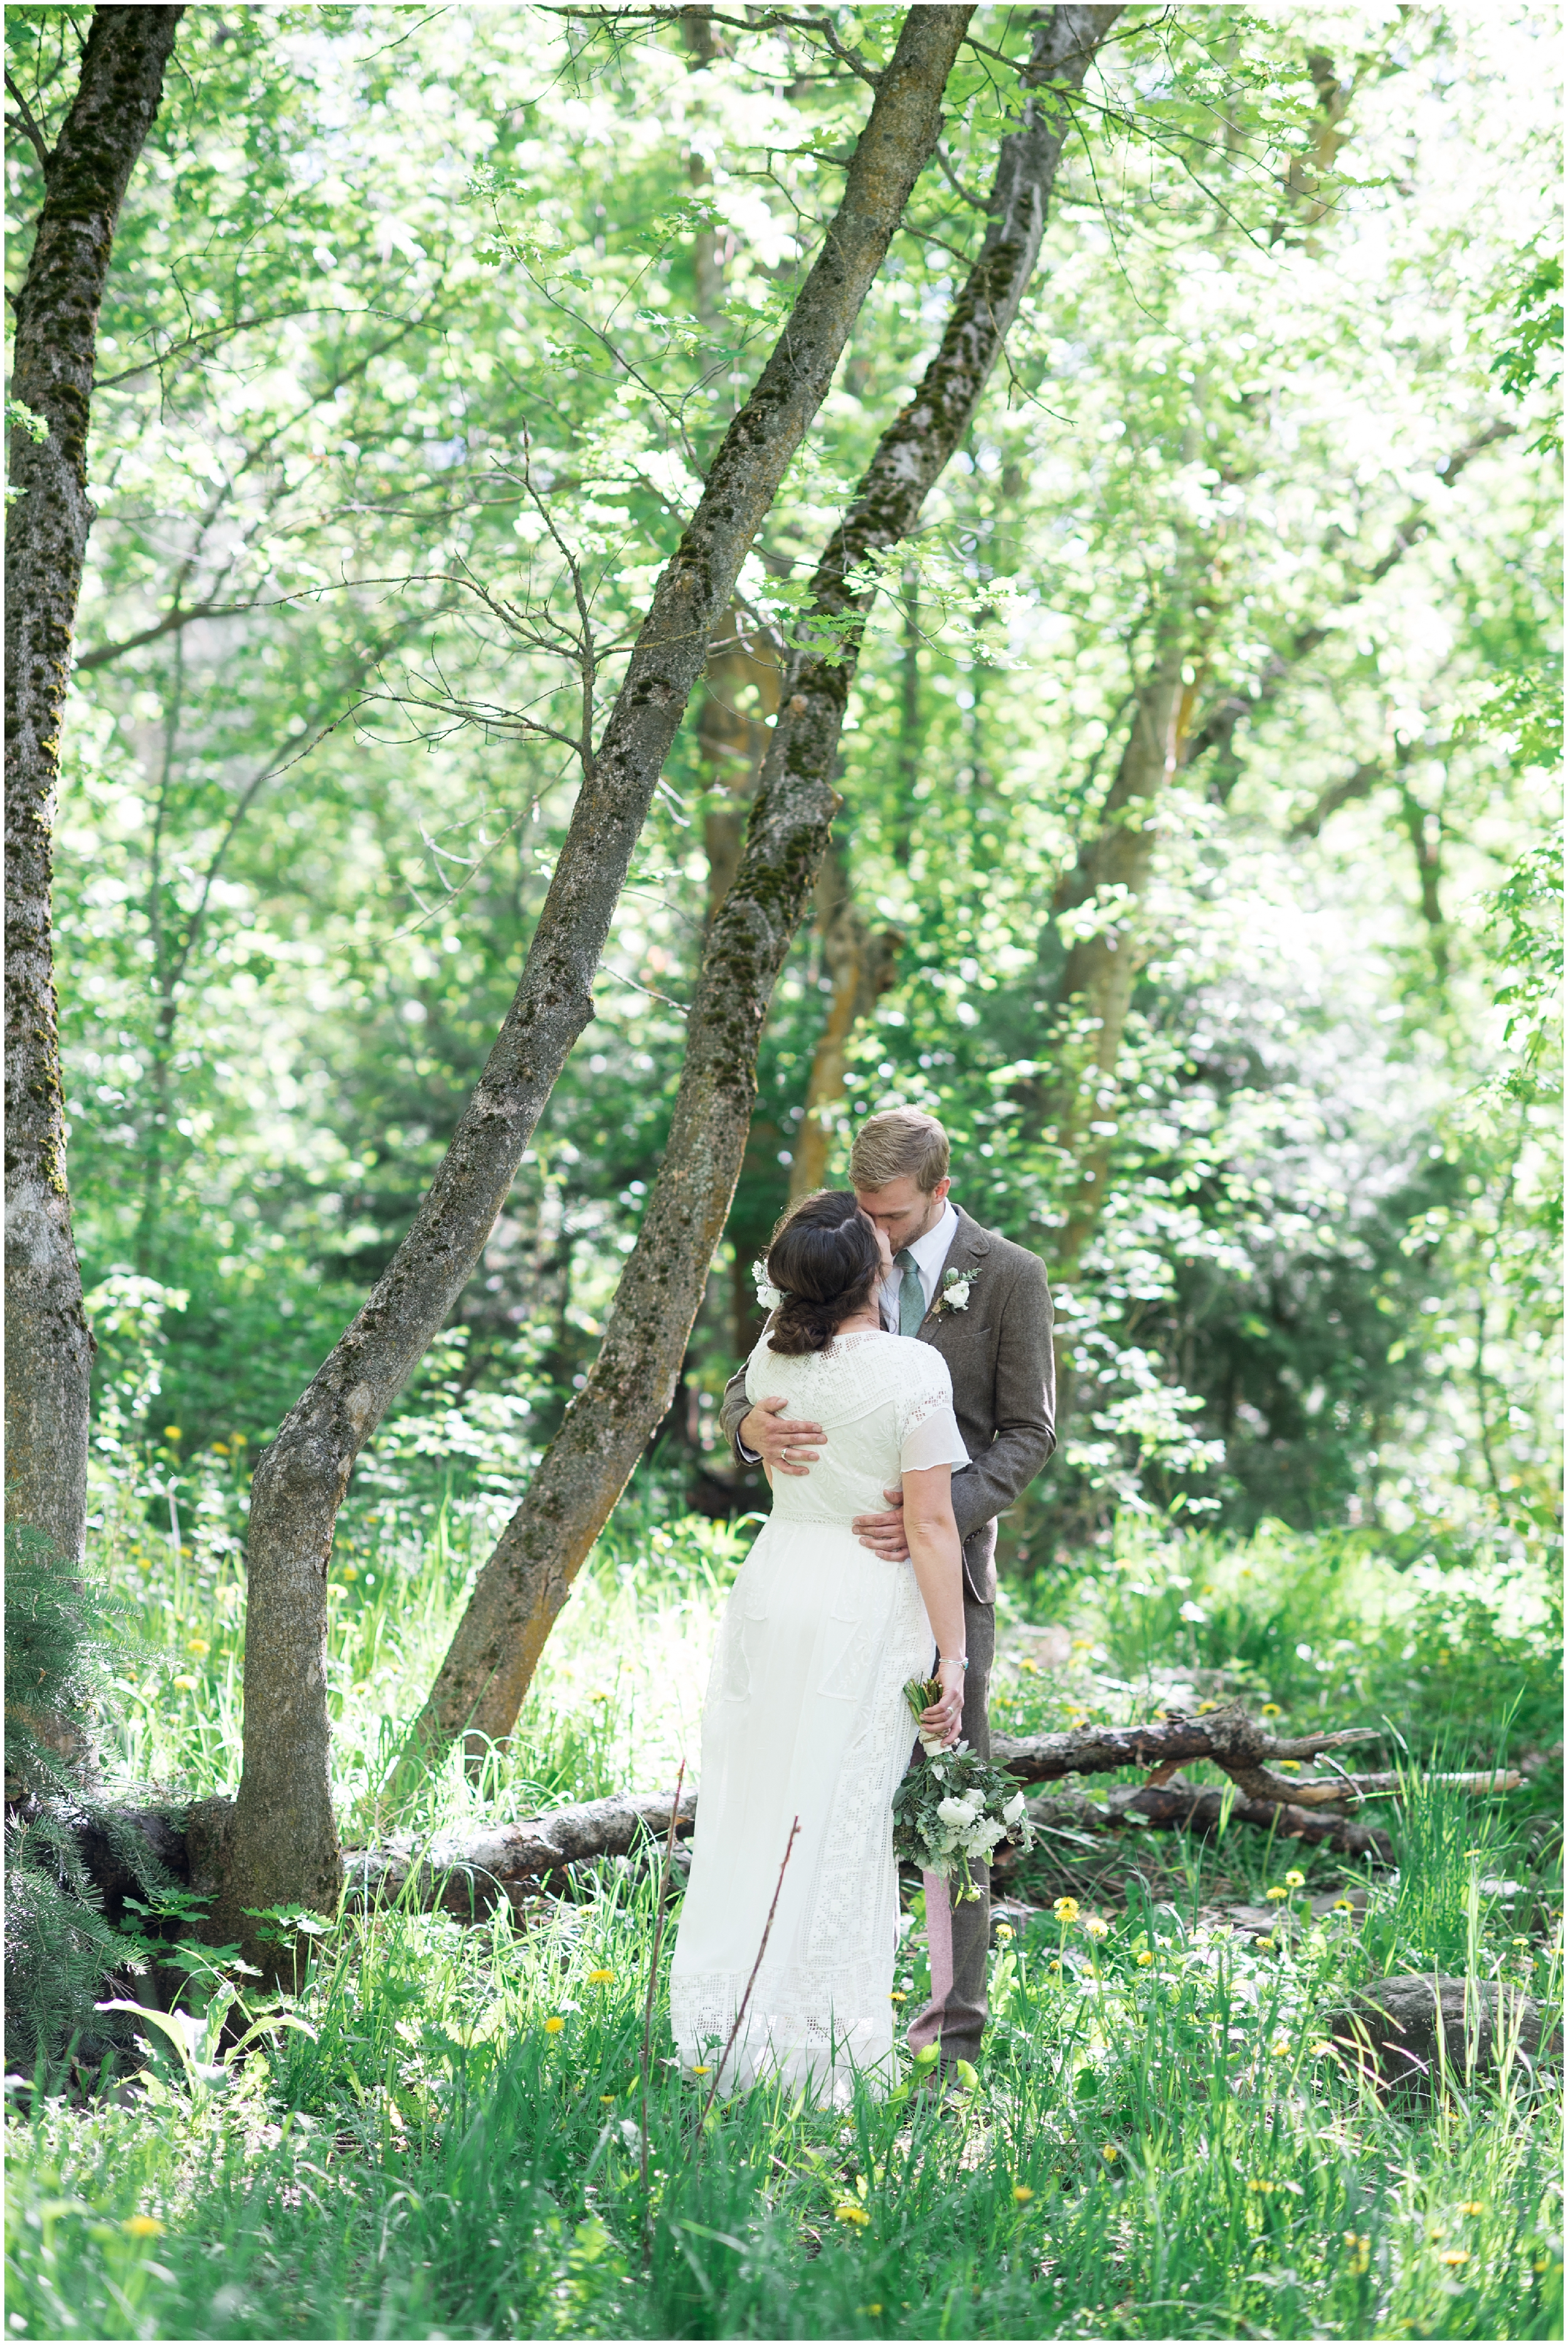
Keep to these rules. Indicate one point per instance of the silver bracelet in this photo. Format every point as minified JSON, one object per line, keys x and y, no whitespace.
{"x":954,"y":1661}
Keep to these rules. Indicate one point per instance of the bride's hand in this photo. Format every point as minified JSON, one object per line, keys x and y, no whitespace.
{"x":944,"y":1716}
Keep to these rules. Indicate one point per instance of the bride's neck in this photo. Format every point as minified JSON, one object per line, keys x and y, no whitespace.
{"x":862,"y":1323}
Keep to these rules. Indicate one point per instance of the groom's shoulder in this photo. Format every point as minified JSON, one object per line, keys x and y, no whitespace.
{"x":1016,"y":1263}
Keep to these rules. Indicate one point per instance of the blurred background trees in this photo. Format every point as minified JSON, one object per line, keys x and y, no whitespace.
{"x":1195,"y":859}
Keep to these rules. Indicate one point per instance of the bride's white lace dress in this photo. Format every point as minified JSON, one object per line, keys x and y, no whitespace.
{"x":805,"y":1717}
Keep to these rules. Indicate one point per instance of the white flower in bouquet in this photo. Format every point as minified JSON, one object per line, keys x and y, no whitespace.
{"x":956,"y":1807}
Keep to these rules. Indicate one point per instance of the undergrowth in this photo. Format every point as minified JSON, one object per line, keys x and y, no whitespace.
{"x":441,"y":2135}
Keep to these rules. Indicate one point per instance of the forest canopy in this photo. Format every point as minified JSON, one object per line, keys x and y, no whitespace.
{"x":417,"y":338}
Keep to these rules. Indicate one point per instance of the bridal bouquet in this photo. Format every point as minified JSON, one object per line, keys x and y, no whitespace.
{"x":956,"y":1807}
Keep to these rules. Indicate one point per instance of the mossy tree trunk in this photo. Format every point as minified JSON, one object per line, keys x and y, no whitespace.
{"x":527,"y":1579}
{"x":48,"y":1344}
{"x":281,"y":1845}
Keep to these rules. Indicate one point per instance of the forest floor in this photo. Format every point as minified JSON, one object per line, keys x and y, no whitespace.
{"x":443,"y":2134}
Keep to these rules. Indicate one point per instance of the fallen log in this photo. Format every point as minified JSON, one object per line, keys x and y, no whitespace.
{"x":470,"y":1874}
{"x":1177,"y":1806}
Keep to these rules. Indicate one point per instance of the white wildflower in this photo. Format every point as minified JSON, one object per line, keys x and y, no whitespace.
{"x":1014,"y":1809}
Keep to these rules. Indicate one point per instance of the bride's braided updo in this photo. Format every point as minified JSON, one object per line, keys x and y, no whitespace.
{"x":824,"y":1260}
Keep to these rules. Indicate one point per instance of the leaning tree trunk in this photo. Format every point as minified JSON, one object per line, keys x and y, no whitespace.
{"x":48,"y":1344}
{"x":283,"y":1846}
{"x":862,"y":964}
{"x":527,"y":1579}
{"x":733,"y":738}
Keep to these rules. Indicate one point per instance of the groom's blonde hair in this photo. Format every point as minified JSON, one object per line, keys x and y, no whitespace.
{"x":902,"y":1142}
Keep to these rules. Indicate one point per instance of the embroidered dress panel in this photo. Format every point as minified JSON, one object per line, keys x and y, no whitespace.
{"x":804,"y":1716}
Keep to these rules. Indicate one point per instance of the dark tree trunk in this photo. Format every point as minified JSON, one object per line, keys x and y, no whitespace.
{"x":283,"y":1846}
{"x":48,"y":1344}
{"x":527,"y":1579}
{"x":862,"y":964}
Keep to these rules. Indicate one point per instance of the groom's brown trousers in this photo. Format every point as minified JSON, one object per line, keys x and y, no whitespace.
{"x":959,"y":1935}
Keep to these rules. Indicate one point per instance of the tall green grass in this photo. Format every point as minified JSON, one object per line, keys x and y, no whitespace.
{"x":443,"y":2141}
{"x":1157,"y":2147}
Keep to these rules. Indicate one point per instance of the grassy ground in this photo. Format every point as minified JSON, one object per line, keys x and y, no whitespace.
{"x":446,"y":2137}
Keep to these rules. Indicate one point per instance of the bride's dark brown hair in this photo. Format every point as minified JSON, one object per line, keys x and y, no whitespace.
{"x":825,"y":1262}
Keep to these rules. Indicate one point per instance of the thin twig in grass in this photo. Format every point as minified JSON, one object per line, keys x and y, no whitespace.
{"x":740,"y":2015}
{"x":648,"y":1999}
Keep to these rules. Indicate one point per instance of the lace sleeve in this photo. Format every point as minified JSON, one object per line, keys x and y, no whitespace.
{"x":927,"y":1429}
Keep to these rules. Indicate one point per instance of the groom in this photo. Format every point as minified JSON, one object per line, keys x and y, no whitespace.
{"x":984,"y":1305}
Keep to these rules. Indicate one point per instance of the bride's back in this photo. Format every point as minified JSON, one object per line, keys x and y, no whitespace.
{"x":868,"y":1392}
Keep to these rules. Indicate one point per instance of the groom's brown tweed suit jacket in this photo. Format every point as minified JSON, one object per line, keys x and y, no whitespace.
{"x":1004,"y":1386}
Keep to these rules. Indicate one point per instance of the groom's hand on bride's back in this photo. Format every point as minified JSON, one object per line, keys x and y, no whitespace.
{"x":883,"y":1534}
{"x":782,"y":1443}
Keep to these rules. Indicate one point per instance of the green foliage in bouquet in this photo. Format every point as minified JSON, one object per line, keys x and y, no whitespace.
{"x":955,"y":1808}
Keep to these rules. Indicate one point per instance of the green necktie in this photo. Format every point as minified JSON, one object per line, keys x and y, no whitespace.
{"x":911,"y":1294}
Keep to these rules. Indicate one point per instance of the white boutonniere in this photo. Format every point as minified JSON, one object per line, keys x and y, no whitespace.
{"x":768,"y":1296}
{"x":955,"y":1285}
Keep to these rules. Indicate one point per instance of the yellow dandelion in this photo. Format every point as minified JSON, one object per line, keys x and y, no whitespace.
{"x":1295,"y":1880}
{"x":1022,"y":2193}
{"x":1054,"y":1967}
{"x":1094,"y":1928}
{"x":1270,"y":1709}
{"x":850,"y":2213}
{"x":199,"y":1645}
{"x":553,"y":2026}
{"x":1205,"y":1707}
{"x":1264,"y":1941}
{"x":1473,"y":2206}
{"x":1144,"y":1960}
{"x":1110,"y":2153}
{"x":1274,"y":1894}
{"x":601,"y":1978}
{"x":705,"y":2071}
{"x":1065,"y":1909}
{"x":1455,"y":2256}
{"x":1281,"y":2047}
{"x":170,"y":1433}
{"x":1291,"y":1766}
{"x":1319,"y":2046}
{"x":187,"y":1685}
{"x":350,"y":1571}
{"x":142,"y":2227}
{"x":607,"y":2100}
{"x":1083,"y":1644}
{"x":1004,"y":1930}
{"x":220,"y":1448}
{"x":1344,"y":1905}
{"x":898,"y":1995}
{"x":1518,"y":1941}
{"x":1262,"y":2189}
{"x":1030,"y":1669}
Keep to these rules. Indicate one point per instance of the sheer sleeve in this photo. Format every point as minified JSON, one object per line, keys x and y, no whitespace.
{"x":927,"y":1429}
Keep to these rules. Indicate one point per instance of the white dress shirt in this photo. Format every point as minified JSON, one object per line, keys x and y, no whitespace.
{"x":930,"y":1253}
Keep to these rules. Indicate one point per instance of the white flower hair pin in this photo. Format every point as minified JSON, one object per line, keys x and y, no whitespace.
{"x":769,"y":1296}
{"x":955,"y":1294}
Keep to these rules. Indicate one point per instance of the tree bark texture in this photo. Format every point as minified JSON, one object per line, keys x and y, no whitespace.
{"x":527,"y":1579}
{"x":861,"y":965}
{"x":733,"y":737}
{"x":48,"y":1344}
{"x":284,"y":1845}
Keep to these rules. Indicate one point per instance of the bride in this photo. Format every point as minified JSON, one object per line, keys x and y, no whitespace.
{"x":805,"y":1715}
